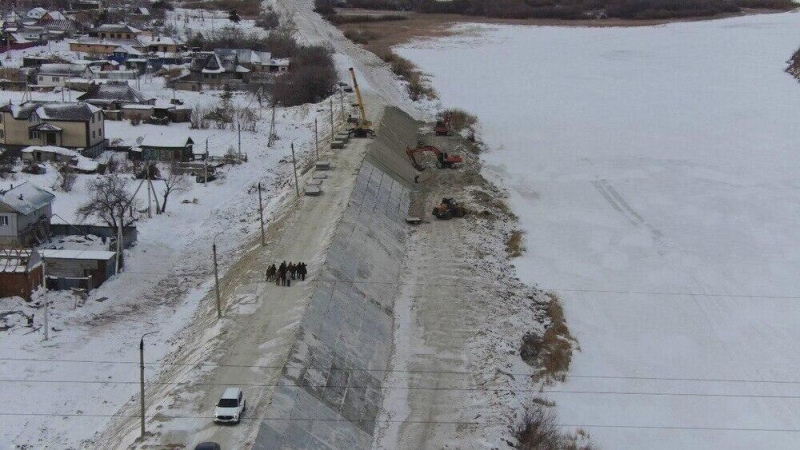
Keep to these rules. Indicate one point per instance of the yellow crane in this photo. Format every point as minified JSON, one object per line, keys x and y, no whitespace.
{"x":363,"y":126}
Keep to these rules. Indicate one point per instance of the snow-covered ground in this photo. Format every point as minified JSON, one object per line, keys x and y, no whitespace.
{"x":655,"y":171}
{"x":62,"y":391}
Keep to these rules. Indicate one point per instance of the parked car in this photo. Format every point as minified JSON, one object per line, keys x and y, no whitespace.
{"x":230,"y":406}
{"x":207,"y":446}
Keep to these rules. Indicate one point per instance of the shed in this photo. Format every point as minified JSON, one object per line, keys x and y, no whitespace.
{"x":156,"y":147}
{"x":20,"y":272}
{"x":67,"y":268}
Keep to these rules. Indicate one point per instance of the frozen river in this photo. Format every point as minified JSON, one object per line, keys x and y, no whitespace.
{"x":656,"y":174}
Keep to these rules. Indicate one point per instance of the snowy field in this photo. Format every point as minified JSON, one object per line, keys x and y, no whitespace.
{"x":655,"y":174}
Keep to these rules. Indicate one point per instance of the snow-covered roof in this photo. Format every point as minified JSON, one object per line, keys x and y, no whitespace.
{"x":97,"y":255}
{"x":117,"y":91}
{"x":67,"y":111}
{"x":116,"y":28}
{"x":36,"y":13}
{"x":279,"y":62}
{"x":165,"y":141}
{"x":61,"y":69}
{"x":161,"y":40}
{"x":26,"y":198}
{"x":18,"y":260}
{"x":50,"y":149}
{"x":127,"y":49}
{"x":89,"y":40}
{"x":56,"y":15}
{"x":19,"y":38}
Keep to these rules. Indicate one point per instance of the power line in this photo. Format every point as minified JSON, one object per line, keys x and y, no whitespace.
{"x":409,"y":371}
{"x":416,"y":388}
{"x":543,"y":289}
{"x":425,"y":422}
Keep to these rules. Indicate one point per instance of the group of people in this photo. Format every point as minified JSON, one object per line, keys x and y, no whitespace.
{"x":283,"y":274}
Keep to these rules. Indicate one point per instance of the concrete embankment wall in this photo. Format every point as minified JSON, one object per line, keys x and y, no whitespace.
{"x":330,"y":391}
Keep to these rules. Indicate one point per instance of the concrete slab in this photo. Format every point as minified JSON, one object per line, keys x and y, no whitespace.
{"x":312,"y":191}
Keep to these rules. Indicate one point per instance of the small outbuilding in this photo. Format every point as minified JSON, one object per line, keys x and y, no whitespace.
{"x":166,"y":148}
{"x":85,"y":269}
{"x":20,"y":272}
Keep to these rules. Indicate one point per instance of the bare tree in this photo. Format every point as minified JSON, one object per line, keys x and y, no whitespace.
{"x":174,"y":181}
{"x":109,"y":199}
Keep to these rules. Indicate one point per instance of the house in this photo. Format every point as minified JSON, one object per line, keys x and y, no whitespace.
{"x":166,"y":148}
{"x":72,"y":125}
{"x":59,"y":74}
{"x":78,"y":268}
{"x":103,"y":40}
{"x":21,"y":272}
{"x":208,"y":67}
{"x":162,"y":45}
{"x":125,"y":52}
{"x":36,"y":13}
{"x":25,"y":212}
{"x":113,"y":95}
{"x":256,"y":62}
{"x":79,"y":163}
{"x":158,"y":112}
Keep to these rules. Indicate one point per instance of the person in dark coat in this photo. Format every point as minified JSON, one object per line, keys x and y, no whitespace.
{"x":281,"y":280}
{"x":303,"y":271}
{"x":271,"y":271}
{"x":292,"y":270}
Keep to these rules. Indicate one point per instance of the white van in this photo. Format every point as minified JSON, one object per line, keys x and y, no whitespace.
{"x":230,"y":406}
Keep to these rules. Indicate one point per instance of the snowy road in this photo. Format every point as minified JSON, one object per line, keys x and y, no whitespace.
{"x":655,"y":172}
{"x":373,"y":73}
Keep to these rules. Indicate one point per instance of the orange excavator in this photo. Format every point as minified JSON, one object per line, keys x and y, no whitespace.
{"x":443,"y":160}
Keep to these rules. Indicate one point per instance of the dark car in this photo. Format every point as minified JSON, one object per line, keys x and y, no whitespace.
{"x":208,"y":446}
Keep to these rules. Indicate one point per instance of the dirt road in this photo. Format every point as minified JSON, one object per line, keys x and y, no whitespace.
{"x":249,"y":346}
{"x":373,"y":72}
{"x":456,"y":379}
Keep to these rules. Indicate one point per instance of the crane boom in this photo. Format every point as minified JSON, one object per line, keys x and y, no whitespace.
{"x":364,"y":122}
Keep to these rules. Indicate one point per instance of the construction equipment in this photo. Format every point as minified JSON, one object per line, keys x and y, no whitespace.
{"x":443,"y":160}
{"x":442,"y":127}
{"x":448,"y":209}
{"x":363,"y":127}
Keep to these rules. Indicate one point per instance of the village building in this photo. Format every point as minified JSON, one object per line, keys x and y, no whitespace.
{"x":78,"y":126}
{"x":86,"y":269}
{"x":25,"y":212}
{"x":114,"y":95}
{"x":21,"y":272}
{"x":166,"y":148}
{"x":36,"y":154}
{"x":59,"y":74}
{"x":103,"y":40}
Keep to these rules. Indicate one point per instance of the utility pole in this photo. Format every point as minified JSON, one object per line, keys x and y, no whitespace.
{"x":46,"y":307}
{"x":331,"y":119}
{"x":294,"y":163}
{"x":261,"y":215}
{"x":205,"y":165}
{"x":316,"y":138}
{"x":272,"y":128}
{"x":239,"y":127}
{"x":216,"y":277}
{"x":149,"y":205}
{"x":141,"y":378}
{"x":119,"y":236}
{"x":341,"y":104}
